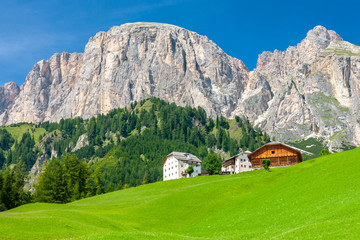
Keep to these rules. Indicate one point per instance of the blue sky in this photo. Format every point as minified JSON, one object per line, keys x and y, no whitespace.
{"x":35,"y":30}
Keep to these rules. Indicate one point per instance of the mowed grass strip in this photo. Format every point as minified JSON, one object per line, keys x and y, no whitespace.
{"x":316,"y":199}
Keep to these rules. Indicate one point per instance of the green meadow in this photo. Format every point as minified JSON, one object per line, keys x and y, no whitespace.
{"x":18,"y":131}
{"x":316,"y":199}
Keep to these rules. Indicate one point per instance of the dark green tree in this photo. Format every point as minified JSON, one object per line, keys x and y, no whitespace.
{"x":266,"y":164}
{"x":212,"y":163}
{"x":2,"y":205}
{"x":12,"y":193}
{"x":6,"y":140}
{"x":98,"y":181}
{"x":76,"y":172}
{"x":53,"y":186}
{"x":2,"y":159}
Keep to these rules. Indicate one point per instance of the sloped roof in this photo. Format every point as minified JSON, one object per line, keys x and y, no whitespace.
{"x":246,"y":152}
{"x":231,"y":157}
{"x":297,"y":149}
{"x":183,"y":156}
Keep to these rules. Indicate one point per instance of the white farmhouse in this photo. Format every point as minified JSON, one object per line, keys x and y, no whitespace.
{"x":176,"y":163}
{"x":237,"y":163}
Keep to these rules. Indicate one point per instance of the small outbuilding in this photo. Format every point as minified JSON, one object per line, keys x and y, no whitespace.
{"x":279,"y":154}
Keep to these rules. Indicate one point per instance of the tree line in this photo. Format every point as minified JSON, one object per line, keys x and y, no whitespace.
{"x":125,"y":148}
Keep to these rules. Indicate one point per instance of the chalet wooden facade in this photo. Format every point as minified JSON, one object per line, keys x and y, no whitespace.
{"x":279,"y":154}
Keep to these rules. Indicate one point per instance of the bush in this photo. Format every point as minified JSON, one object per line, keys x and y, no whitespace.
{"x":324,"y":152}
{"x":190,"y":170}
{"x":266,"y":163}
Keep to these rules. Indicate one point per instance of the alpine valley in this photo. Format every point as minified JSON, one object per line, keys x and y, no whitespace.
{"x":309,"y":90}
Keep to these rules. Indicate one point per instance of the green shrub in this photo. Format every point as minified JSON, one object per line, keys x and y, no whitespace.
{"x":324,"y":152}
{"x":190,"y":170}
{"x":266,"y":163}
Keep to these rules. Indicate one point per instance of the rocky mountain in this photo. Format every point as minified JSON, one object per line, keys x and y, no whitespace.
{"x":8,"y":93}
{"x":128,"y":63}
{"x":311,"y":89}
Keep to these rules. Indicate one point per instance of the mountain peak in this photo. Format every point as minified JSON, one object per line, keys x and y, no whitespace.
{"x":11,"y":85}
{"x":146,"y":24}
{"x":320,"y":37}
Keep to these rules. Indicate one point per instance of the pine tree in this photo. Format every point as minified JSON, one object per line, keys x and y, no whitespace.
{"x":119,"y":186}
{"x":12,"y":189}
{"x":8,"y":194}
{"x":6,"y":140}
{"x":52,"y":186}
{"x":2,"y":205}
{"x":212,"y":163}
{"x":98,"y":181}
{"x":2,"y":159}
{"x":109,"y":188}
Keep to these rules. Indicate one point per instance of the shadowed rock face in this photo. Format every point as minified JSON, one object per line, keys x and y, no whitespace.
{"x":8,"y":93}
{"x":309,"y":89}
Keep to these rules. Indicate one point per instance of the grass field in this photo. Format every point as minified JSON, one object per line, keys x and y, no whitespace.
{"x":18,"y":131}
{"x":316,"y":199}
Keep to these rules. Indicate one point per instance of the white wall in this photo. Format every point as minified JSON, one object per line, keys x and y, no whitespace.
{"x":171,"y":169}
{"x":229,"y":168}
{"x":174,"y":168}
{"x":242,"y":163}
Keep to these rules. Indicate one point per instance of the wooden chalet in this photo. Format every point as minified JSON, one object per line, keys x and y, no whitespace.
{"x":279,"y":154}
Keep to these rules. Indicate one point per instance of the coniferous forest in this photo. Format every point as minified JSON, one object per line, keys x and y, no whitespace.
{"x":76,"y":158}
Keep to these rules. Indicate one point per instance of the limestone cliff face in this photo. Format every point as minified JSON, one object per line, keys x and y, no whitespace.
{"x":311,"y":89}
{"x":8,"y":93}
{"x":314,"y":90}
{"x":129,"y":63}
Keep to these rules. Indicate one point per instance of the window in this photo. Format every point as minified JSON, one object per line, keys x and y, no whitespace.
{"x":272,"y":152}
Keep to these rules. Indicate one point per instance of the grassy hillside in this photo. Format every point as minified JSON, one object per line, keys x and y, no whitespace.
{"x":316,"y":199}
{"x":18,"y":130}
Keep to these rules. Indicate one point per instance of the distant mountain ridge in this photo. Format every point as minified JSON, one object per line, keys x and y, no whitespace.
{"x":311,"y":89}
